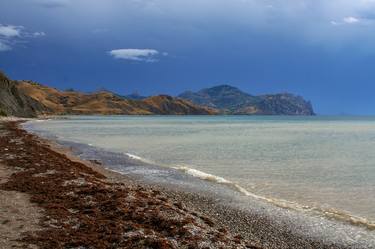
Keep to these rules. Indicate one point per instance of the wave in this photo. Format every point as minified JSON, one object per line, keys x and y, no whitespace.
{"x":329,"y":213}
{"x":212,"y":178}
{"x":138,"y":158}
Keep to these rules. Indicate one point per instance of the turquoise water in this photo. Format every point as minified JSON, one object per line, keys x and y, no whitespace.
{"x":325,"y":163}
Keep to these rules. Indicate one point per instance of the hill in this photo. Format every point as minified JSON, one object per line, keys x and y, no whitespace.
{"x":231,"y":100}
{"x":14,"y":103}
{"x":29,"y":99}
{"x":105,"y":103}
{"x":134,"y":96}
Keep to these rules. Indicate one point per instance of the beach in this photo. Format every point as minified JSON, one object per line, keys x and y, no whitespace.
{"x":187,"y":124}
{"x":80,"y":204}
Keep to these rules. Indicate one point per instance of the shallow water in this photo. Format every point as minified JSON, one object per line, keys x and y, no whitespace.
{"x":325,"y":164}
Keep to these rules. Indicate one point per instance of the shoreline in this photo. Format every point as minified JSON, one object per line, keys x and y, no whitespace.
{"x":260,"y":232}
{"x":81,"y":207}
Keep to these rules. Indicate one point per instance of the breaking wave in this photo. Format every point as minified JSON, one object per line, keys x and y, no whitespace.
{"x":329,"y":213}
{"x":135,"y":157}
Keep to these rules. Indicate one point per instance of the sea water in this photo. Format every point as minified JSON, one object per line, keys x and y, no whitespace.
{"x":321,"y":163}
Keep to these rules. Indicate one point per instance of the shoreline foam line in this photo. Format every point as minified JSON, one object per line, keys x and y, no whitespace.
{"x":135,"y":157}
{"x":329,"y":213}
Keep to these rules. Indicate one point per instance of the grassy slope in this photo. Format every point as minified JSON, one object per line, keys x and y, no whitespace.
{"x":70,"y":102}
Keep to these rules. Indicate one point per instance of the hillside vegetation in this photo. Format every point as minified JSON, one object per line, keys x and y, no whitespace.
{"x":106,"y":103}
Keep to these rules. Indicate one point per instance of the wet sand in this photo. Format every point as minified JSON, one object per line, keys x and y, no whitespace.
{"x":17,"y":214}
{"x":83,"y":205}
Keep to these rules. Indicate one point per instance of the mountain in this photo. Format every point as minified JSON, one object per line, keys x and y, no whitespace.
{"x":286,"y":104}
{"x":164,"y":104}
{"x":231,"y":100}
{"x":106,"y":103}
{"x":134,"y":96}
{"x":29,"y":99}
{"x":223,"y":97}
{"x":14,"y":103}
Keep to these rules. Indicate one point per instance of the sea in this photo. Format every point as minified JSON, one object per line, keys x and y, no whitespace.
{"x":324,"y":165}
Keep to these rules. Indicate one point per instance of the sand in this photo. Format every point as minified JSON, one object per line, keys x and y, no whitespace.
{"x":17,"y":214}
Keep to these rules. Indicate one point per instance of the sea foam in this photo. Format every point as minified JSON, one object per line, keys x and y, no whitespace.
{"x":329,"y":213}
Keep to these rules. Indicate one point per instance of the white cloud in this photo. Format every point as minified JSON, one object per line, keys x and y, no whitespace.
{"x":11,"y":35}
{"x":9,"y":31}
{"x":135,"y":54}
{"x":4,"y":47}
{"x":350,"y":20}
{"x":347,"y":20}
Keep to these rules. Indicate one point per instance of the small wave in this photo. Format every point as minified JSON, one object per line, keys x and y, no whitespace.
{"x":40,"y":120}
{"x":343,"y":216}
{"x":202,"y":175}
{"x":330,"y":213}
{"x":138,"y":158}
{"x":213,"y":178}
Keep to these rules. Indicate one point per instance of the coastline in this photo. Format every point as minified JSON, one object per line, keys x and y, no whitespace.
{"x":255,"y":232}
{"x":85,"y":206}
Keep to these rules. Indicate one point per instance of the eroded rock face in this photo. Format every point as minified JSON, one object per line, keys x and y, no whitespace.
{"x":15,"y":103}
{"x":286,"y":104}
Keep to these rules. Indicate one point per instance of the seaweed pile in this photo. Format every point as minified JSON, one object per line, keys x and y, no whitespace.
{"x":82,"y":209}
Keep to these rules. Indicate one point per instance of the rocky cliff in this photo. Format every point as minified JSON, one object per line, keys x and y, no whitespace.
{"x":14,"y":103}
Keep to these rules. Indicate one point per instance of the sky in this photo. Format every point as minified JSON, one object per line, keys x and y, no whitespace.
{"x":323,"y":50}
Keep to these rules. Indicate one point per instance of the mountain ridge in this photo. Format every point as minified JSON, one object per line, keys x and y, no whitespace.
{"x":30,"y":99}
{"x":231,"y":100}
{"x":107,"y":103}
